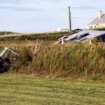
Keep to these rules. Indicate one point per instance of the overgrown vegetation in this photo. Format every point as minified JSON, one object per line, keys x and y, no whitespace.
{"x":73,"y":60}
{"x":45,"y":59}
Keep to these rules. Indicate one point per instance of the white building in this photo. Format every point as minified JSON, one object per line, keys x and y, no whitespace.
{"x":98,"y":22}
{"x":62,"y":30}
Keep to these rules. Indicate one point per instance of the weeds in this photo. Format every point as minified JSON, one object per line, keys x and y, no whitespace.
{"x":71,"y":60}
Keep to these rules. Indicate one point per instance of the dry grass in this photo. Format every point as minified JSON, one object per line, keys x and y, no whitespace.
{"x":73,"y":60}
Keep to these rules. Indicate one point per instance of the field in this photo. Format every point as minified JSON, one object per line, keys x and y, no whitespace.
{"x":50,"y":74}
{"x":33,"y":36}
{"x":16,"y":89}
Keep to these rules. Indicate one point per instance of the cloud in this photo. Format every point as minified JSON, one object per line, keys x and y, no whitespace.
{"x":10,"y":1}
{"x":31,"y":5}
{"x":38,"y":5}
{"x":86,"y":7}
{"x":19,"y":8}
{"x":28,"y":15}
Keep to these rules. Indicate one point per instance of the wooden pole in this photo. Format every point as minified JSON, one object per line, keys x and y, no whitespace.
{"x":70,"y":24}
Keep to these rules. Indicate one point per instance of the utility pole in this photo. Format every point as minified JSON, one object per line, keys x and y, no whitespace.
{"x":5,"y":32}
{"x":70,"y":24}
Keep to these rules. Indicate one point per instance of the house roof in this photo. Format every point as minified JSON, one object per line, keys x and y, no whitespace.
{"x":98,"y":20}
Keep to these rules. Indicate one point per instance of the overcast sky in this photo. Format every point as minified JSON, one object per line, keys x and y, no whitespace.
{"x":46,"y":15}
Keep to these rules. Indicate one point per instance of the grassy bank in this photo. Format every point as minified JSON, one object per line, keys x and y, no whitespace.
{"x":73,"y":60}
{"x":28,"y":90}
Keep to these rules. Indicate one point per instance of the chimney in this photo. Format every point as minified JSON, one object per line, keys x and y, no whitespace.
{"x":100,"y":13}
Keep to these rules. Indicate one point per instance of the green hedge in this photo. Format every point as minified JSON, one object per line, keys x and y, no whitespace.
{"x":43,"y":36}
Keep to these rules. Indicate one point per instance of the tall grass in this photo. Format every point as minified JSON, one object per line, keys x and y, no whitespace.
{"x":75,"y":60}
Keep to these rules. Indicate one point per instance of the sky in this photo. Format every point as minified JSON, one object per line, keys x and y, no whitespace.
{"x":47,"y":15}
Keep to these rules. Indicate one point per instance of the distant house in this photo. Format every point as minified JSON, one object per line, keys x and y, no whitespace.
{"x":62,"y":30}
{"x":98,"y":22}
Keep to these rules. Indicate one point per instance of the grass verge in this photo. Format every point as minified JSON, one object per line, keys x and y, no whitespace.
{"x":73,"y":60}
{"x":28,"y":90}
